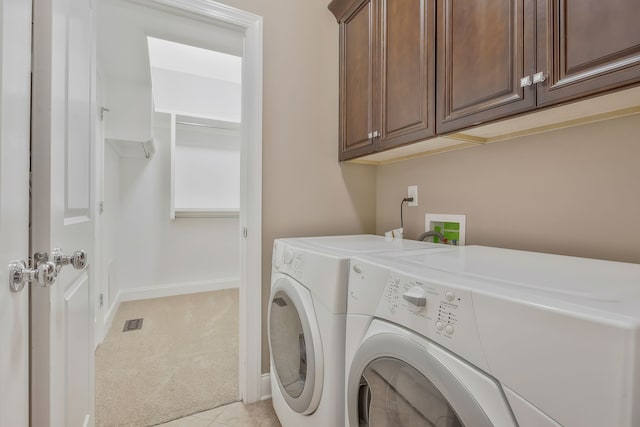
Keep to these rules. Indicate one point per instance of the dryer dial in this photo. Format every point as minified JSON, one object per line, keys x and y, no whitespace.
{"x":288,"y":256}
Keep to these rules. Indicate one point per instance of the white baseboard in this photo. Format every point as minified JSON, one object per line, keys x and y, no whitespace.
{"x":173,"y":289}
{"x":108,"y":317}
{"x":166,"y":290}
{"x":265,"y":387}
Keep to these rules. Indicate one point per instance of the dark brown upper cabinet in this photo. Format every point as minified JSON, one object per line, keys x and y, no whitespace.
{"x":586,"y":47}
{"x":387,"y":73}
{"x":484,"y":49}
{"x":498,"y":58}
{"x":357,"y":34}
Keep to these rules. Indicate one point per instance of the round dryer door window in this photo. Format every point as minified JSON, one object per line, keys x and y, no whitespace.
{"x":294,"y":342}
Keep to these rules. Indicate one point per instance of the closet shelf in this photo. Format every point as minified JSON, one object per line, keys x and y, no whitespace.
{"x":207,"y":213}
{"x":135,"y":149}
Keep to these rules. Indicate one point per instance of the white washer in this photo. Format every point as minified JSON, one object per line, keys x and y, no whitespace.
{"x":481,"y":336}
{"x":307,"y":313}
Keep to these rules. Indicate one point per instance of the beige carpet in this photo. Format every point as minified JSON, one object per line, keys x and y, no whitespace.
{"x":184,"y":359}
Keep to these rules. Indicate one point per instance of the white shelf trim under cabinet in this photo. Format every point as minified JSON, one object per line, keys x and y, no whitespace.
{"x":605,"y":107}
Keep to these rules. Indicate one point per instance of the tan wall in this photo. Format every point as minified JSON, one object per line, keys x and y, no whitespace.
{"x":305,"y":190}
{"x":570,"y":191}
{"x":573,"y":191}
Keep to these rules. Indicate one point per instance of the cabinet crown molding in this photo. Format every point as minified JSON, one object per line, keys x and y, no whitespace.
{"x":341,"y":8}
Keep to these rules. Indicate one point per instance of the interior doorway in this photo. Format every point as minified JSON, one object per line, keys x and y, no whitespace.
{"x":157,"y":237}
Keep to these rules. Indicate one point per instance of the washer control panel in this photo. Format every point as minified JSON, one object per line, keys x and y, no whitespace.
{"x":435,"y":304}
{"x":433,"y":309}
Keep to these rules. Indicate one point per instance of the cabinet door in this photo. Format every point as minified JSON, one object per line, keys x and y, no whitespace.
{"x":484,"y":48}
{"x":357,"y":36}
{"x":407,"y":72}
{"x":587,"y":46}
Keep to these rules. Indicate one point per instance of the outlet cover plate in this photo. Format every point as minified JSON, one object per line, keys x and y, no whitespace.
{"x":412,"y":191}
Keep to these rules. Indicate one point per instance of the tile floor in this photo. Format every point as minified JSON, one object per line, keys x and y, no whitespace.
{"x":236,"y":414}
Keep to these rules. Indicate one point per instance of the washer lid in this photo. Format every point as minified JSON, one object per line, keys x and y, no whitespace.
{"x":295,"y":345}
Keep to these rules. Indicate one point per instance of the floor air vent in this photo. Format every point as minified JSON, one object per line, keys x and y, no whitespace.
{"x":132,"y":325}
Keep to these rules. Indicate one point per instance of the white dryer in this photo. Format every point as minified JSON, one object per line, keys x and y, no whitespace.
{"x":481,"y":336}
{"x":307,"y":313}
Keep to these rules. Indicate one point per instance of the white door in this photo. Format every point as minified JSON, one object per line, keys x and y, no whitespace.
{"x":63,"y":210}
{"x":15,"y":63}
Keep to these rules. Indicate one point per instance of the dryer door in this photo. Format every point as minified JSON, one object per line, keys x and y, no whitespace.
{"x":398,"y":378}
{"x":295,"y":345}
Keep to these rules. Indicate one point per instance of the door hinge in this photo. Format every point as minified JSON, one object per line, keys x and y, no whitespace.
{"x":244,"y":232}
{"x":101,"y":300}
{"x":100,"y":208}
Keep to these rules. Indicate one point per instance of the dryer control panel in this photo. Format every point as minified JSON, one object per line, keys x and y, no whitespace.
{"x":435,"y":307}
{"x":288,"y":260}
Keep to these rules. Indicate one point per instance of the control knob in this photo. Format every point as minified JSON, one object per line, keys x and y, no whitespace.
{"x":416,"y":297}
{"x":288,"y":256}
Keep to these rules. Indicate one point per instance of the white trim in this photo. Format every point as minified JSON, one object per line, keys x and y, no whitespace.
{"x":265,"y":386}
{"x":173,"y":289}
{"x":251,"y":213}
{"x":109,"y":315}
{"x":97,"y":284}
{"x":166,"y":290}
{"x":211,"y":9}
{"x":172,"y":167}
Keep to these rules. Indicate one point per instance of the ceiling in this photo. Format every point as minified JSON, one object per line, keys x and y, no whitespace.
{"x":123,"y":27}
{"x":123,"y":58}
{"x":193,"y":60}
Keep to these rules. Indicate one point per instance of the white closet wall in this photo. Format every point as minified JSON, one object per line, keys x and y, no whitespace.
{"x":155,"y":252}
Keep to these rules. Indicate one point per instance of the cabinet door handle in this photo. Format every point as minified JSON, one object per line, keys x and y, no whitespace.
{"x":376,"y":134}
{"x":539,"y":77}
{"x":526,"y":81}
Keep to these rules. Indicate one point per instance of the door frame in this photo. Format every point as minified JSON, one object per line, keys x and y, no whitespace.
{"x":252,"y":385}
{"x":15,"y":114}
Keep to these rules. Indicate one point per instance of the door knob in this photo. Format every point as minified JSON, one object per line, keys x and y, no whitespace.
{"x":44,"y":274}
{"x":78,"y":260}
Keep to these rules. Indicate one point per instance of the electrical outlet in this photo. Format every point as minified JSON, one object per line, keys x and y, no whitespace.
{"x":412,"y":191}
